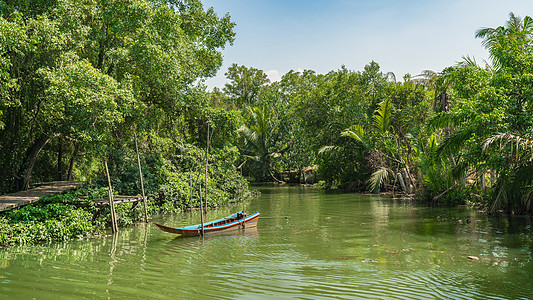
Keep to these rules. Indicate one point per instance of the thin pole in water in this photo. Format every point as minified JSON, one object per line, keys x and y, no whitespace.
{"x":206,"y":163}
{"x":141,"y":176}
{"x":114,"y":225}
{"x":190,"y":199}
{"x":201,"y":211}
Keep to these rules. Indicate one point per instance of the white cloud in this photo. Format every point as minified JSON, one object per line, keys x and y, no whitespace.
{"x":273,"y":75}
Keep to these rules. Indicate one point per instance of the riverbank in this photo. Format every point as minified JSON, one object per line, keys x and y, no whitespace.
{"x":72,"y":215}
{"x":22,"y":198}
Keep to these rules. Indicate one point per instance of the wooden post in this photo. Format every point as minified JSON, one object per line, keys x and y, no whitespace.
{"x":142,"y":182}
{"x":201,"y":211}
{"x":190,"y":199}
{"x":114,"y":225}
{"x":206,"y":162}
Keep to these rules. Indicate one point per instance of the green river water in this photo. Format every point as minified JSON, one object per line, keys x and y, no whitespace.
{"x":334,"y":246}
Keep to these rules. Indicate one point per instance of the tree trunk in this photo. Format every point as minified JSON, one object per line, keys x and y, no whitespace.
{"x":60,"y":161}
{"x":407,"y":178}
{"x":71,"y":163}
{"x":31,"y":158}
{"x":273,"y":177}
{"x":402,"y":182}
{"x":444,"y":101}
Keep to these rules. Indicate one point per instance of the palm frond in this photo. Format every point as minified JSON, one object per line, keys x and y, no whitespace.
{"x":520,"y":145}
{"x":421,"y":81}
{"x":427,"y":76}
{"x":336,"y":125}
{"x":431,"y":150}
{"x":460,"y":171}
{"x":357,"y":132}
{"x":514,"y":24}
{"x":502,"y":137}
{"x":450,"y":119}
{"x":379,"y":177}
{"x":251,"y":139}
{"x":382,"y":117}
{"x":528,"y":24}
{"x":327,"y":149}
{"x":469,"y":61}
{"x":454,"y":142}
{"x":484,"y":32}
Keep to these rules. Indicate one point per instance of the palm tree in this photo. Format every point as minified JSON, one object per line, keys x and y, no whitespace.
{"x":439,"y":81}
{"x":258,"y":140}
{"x":493,"y":100}
{"x":514,"y":187}
{"x":383,"y":145}
{"x":515,"y":27}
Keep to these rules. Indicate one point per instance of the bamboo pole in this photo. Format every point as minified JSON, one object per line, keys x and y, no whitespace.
{"x":201,"y":211}
{"x":206,"y":163}
{"x":114,"y":225}
{"x":190,"y":199}
{"x":193,"y":188}
{"x":141,"y":176}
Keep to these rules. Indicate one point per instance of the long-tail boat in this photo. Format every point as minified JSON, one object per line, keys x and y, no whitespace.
{"x":233,"y":222}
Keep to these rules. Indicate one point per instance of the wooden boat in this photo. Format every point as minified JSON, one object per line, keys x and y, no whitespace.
{"x":233,"y":222}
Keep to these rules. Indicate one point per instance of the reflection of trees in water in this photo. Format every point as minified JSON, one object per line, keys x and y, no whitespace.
{"x":328,"y":236}
{"x":380,"y":212}
{"x":113,"y":261}
{"x":126,"y":241}
{"x":510,"y":236}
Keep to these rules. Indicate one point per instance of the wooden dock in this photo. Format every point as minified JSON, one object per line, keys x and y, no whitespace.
{"x":118,"y":199}
{"x":19,"y":199}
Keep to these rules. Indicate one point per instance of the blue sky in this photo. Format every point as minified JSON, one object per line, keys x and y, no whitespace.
{"x":406,"y":36}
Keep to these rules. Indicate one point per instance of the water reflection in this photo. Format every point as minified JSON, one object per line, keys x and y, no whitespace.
{"x":112,"y":261}
{"x":333,"y":246}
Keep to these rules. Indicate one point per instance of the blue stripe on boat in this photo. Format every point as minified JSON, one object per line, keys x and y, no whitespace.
{"x":196,"y":227}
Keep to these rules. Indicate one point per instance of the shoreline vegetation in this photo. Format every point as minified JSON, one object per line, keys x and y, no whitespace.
{"x":72,"y":215}
{"x":79,"y":80}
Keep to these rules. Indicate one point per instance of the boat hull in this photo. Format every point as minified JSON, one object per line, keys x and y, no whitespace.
{"x":229,"y":223}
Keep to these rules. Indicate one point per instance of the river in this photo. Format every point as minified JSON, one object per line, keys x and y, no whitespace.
{"x":334,"y":246}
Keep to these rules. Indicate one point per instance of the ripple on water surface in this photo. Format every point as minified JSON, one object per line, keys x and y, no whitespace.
{"x":332,"y":247}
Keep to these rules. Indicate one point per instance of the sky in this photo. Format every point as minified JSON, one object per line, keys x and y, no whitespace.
{"x":402,"y":36}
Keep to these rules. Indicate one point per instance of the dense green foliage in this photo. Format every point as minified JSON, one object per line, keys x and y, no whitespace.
{"x":79,"y":78}
{"x":492,"y":124}
{"x":67,"y":216}
{"x":460,"y":136}
{"x":53,"y":218}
